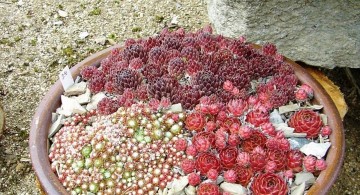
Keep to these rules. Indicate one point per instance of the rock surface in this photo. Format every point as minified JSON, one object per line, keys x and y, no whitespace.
{"x":2,"y":120}
{"x":320,"y":33}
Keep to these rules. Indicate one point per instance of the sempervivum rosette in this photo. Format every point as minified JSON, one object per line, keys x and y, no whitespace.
{"x":269,"y":183}
{"x":190,"y":109}
{"x":306,"y":121}
{"x":206,"y":161}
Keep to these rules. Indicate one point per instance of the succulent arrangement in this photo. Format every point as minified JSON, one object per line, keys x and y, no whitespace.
{"x":192,"y":113}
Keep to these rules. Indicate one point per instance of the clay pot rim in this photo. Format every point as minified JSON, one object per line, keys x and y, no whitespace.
{"x":38,"y":141}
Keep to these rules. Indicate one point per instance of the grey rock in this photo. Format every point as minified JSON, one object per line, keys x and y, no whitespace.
{"x":76,"y":89}
{"x":219,"y":179}
{"x":55,"y":127}
{"x":275,"y":117}
{"x":54,"y":116}
{"x":320,"y":33}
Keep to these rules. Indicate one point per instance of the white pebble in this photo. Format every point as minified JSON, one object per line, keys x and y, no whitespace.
{"x":62,"y":13}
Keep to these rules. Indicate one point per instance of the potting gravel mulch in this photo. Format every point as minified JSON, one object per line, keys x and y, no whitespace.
{"x":39,"y":38}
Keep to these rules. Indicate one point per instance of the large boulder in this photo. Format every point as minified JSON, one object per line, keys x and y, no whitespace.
{"x":320,"y":33}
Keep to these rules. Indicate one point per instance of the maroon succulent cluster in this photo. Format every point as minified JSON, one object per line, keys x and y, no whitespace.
{"x":186,"y":66}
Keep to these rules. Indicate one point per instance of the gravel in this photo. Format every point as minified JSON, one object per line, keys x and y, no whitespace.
{"x":39,"y":38}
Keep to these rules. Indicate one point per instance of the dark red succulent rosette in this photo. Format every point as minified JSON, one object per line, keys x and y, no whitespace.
{"x":244,"y":175}
{"x":256,"y":139}
{"x":306,"y":121}
{"x":228,"y":157}
{"x":279,"y":157}
{"x":269,"y":183}
{"x":206,"y":161}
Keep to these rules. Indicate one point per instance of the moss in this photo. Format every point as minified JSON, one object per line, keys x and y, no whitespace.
{"x":21,"y":28}
{"x":159,"y":19}
{"x":136,"y":29}
{"x":82,"y":6}
{"x":4,"y":41}
{"x":17,"y":39}
{"x":95,"y":12}
{"x":68,"y":51}
{"x":112,"y":36}
{"x":61,"y":7}
{"x":33,"y":42}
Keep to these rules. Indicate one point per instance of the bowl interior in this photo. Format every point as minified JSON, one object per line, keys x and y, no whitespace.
{"x":41,"y":122}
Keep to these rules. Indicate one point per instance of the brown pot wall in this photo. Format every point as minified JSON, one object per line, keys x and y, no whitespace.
{"x":42,"y":120}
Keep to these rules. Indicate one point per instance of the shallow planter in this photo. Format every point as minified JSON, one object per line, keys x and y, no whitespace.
{"x":42,"y":120}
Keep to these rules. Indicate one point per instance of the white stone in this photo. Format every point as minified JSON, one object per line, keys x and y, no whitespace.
{"x":316,"y":149}
{"x":95,"y":99}
{"x":20,"y":3}
{"x":58,"y":23}
{"x":83,"y":35}
{"x":71,"y":105}
{"x":55,"y":127}
{"x":190,"y":190}
{"x":275,"y":117}
{"x":174,"y":20}
{"x":324,"y":118}
{"x":297,"y":143}
{"x":83,"y":98}
{"x":76,"y":89}
{"x":298,"y":190}
{"x":176,"y":108}
{"x":288,"y":108}
{"x":62,"y":13}
{"x":66,"y":113}
{"x":313,"y":107}
{"x":178,"y":185}
{"x":219,"y":179}
{"x":100,"y":40}
{"x":304,"y":177}
{"x":233,"y":189}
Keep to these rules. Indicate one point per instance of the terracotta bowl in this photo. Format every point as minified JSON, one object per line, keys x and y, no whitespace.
{"x":41,"y":122}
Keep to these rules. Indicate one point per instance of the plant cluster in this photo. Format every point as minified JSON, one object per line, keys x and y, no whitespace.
{"x":136,"y":143}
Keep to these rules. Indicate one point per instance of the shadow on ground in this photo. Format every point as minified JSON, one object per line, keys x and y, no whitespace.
{"x":349,"y":178}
